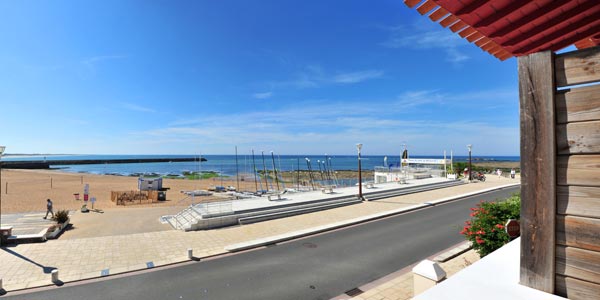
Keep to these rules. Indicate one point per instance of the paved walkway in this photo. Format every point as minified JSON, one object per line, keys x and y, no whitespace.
{"x":27,"y":223}
{"x":29,"y":265}
{"x":400,"y":286}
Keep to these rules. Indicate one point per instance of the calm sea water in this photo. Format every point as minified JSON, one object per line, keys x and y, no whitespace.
{"x":226,"y":164}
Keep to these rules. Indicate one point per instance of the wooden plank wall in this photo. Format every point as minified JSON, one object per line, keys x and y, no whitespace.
{"x":577,"y":252}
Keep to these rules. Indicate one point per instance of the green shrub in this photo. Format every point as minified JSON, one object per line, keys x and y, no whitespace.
{"x":485,"y":229}
{"x":61,"y":216}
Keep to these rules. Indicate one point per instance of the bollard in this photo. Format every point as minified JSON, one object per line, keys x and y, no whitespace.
{"x":1,"y":284}
{"x":190,"y":253}
{"x":426,"y":275}
{"x":54,"y":275}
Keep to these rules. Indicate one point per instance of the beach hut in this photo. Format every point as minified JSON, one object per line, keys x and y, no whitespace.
{"x":560,"y":121}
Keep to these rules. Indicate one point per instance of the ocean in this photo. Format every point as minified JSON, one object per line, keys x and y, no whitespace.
{"x":226,"y":164}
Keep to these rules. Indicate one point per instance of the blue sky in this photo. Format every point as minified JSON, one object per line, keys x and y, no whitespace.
{"x":296,"y":77}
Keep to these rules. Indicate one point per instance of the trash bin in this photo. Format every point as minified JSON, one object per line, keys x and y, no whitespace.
{"x":162,"y":196}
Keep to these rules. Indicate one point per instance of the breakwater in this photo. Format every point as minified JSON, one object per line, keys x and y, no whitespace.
{"x":37,"y":164}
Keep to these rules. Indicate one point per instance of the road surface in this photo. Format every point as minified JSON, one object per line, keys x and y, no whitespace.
{"x":317,"y":267}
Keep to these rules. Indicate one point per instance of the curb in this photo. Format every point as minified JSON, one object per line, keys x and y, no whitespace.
{"x":319,"y":229}
{"x":454,"y":252}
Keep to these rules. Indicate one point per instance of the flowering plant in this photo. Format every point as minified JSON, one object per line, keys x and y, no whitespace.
{"x":485,"y":229}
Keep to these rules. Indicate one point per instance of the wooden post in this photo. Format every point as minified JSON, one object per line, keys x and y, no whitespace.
{"x":538,"y":170}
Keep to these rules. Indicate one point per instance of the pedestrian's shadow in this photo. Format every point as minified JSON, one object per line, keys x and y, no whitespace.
{"x":47,"y":270}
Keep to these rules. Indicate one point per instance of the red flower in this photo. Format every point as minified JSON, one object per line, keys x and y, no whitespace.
{"x":499,"y":226}
{"x":468,"y":222}
{"x":480,"y":232}
{"x":479,"y":240}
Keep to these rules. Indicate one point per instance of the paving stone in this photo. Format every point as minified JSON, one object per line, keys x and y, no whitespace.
{"x":83,"y":258}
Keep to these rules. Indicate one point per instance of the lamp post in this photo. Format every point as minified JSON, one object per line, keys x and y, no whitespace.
{"x":1,"y":152}
{"x":360,"y":195}
{"x":470,"y":171}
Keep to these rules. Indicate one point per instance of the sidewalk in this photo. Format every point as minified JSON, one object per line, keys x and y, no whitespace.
{"x":29,"y":265}
{"x":399,"y":286}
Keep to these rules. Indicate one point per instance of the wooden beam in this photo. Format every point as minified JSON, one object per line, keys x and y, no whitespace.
{"x":458,"y":26}
{"x":411,"y":3}
{"x":474,"y":37}
{"x":438,"y":14}
{"x":482,"y":42}
{"x":578,"y":67}
{"x":578,"y":104}
{"x":467,"y":32}
{"x":576,"y":289}
{"x":578,"y":138}
{"x":449,"y":20}
{"x":426,"y":7}
{"x":538,"y":181}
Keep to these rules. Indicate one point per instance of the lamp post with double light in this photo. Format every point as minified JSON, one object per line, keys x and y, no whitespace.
{"x":2,"y":148}
{"x":360,"y":195}
{"x":470,"y":171}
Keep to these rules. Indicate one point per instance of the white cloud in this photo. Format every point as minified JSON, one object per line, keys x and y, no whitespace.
{"x":313,"y":76}
{"x":418,"y":38}
{"x":136,"y":107}
{"x":264,"y":95}
{"x":334,"y":127}
{"x":96,"y":59}
{"x":355,"y":77}
{"x":91,"y":63}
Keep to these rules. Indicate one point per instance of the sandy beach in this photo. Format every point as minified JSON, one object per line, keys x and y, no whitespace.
{"x":27,"y":190}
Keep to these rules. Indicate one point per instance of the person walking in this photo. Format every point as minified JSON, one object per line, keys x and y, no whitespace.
{"x":49,"y":208}
{"x":512,"y":173}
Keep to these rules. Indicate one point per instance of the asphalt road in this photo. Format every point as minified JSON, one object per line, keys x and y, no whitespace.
{"x":317,"y":267}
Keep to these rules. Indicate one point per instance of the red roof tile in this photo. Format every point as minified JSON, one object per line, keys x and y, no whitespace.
{"x":507,"y":28}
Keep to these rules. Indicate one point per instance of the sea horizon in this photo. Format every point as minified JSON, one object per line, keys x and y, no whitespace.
{"x":226,"y":164}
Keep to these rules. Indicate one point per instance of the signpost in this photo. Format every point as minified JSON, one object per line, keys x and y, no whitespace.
{"x":512,"y":228}
{"x":93,"y":200}
{"x":86,"y":192}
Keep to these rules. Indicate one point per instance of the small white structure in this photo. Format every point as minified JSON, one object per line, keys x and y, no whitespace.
{"x":426,"y":275}
{"x":412,"y":168}
{"x":146,"y":184}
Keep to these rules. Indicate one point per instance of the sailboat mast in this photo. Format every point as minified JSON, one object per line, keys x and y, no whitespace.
{"x":320,"y":170}
{"x":254,"y":165}
{"x":310,"y":175}
{"x":265,"y":170}
{"x":282,"y":181}
{"x":237,"y":171}
{"x":275,"y":170}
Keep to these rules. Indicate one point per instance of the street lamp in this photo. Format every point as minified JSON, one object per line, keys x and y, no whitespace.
{"x":1,"y":152}
{"x":470,"y":146}
{"x":360,"y":195}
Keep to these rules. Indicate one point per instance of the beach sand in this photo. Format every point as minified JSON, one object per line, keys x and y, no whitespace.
{"x":27,"y":190}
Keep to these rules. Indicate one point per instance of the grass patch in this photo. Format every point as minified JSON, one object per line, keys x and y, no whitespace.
{"x":201,"y":175}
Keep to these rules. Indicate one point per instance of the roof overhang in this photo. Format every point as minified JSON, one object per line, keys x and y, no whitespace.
{"x":507,"y":28}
